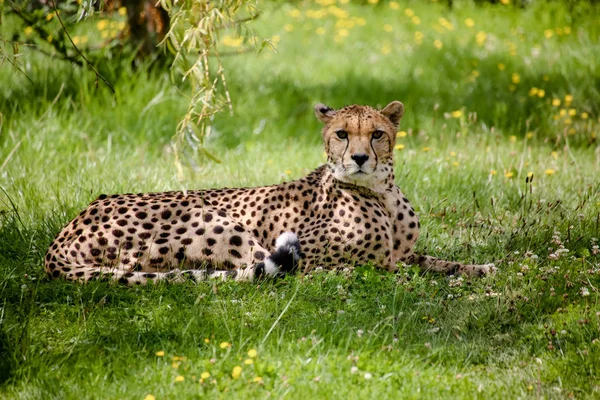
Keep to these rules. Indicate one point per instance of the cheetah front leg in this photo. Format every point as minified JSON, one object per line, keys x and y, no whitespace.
{"x":428,"y":263}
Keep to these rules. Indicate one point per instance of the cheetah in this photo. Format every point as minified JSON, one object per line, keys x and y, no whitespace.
{"x":346,"y":212}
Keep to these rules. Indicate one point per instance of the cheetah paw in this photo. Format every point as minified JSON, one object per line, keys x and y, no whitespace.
{"x":486,"y":269}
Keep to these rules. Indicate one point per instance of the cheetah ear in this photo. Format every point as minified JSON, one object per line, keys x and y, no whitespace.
{"x":394,"y":111}
{"x":324,"y":113}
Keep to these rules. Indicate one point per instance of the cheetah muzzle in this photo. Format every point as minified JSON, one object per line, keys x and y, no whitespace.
{"x":347,"y":212}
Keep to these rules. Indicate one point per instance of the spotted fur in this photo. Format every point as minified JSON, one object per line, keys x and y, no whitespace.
{"x":347,"y":212}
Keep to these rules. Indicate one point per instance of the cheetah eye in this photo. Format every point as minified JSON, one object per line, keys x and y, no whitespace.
{"x":377,"y":134}
{"x":342,"y":134}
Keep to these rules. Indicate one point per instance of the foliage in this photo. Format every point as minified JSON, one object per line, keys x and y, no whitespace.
{"x":191,"y":32}
{"x":193,"y":38}
{"x":496,"y":171}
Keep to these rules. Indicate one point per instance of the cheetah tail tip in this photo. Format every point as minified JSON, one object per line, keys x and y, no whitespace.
{"x":286,"y":255}
{"x":288,"y":242}
{"x":287,"y":239}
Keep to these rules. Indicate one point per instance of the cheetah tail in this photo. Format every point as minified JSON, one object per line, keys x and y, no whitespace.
{"x":86,"y":273}
{"x":285,"y":257}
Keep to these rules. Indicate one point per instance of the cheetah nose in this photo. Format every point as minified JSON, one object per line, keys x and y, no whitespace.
{"x":360,"y":159}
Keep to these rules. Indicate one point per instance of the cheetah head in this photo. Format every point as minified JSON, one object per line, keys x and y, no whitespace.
{"x":359,"y":141}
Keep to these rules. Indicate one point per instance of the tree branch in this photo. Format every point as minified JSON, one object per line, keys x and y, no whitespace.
{"x":89,"y":64}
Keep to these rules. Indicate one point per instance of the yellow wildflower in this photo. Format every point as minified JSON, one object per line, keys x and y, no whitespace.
{"x":515,"y":78}
{"x":469,"y":22}
{"x":345,"y":23}
{"x":49,"y":16}
{"x":399,"y":147}
{"x":512,"y":88}
{"x":102,"y":24}
{"x":584,"y":115}
{"x":360,"y":21}
{"x":249,"y":361}
{"x":122,"y":11}
{"x":493,"y":172}
{"x":452,"y":154}
{"x":457,"y":114}
{"x":237,"y":371}
{"x":343,"y":32}
{"x":554,"y":154}
{"x":508,"y":174}
{"x":415,"y":20}
{"x":505,"y":2}
{"x":425,"y":149}
{"x":549,"y":171}
{"x":257,"y":379}
{"x":401,"y":134}
{"x":572,"y":112}
{"x":556,"y":102}
{"x":501,"y":67}
{"x":225,"y":345}
{"x":149,"y":397}
{"x":438,"y":44}
{"x":288,"y":27}
{"x":316,"y":14}
{"x":50,"y":38}
{"x":529,"y":174}
{"x":386,"y":50}
{"x":529,"y":135}
{"x":562,"y":112}
{"x":568,"y":121}
{"x":480,"y":38}
{"x":28,"y":30}
{"x":373,"y":1}
{"x":252,"y":353}
{"x":160,"y":353}
{"x":409,"y":12}
{"x":445,"y":23}
{"x":418,"y":37}
{"x":206,"y":340}
{"x":294,"y":13}
{"x":320,"y":31}
{"x":533,"y":91}
{"x":455,"y":163}
{"x":394,"y":5}
{"x":205,"y":375}
{"x":513,"y":138}
{"x":567,"y":30}
{"x":568,"y":98}
{"x":179,"y":378}
{"x":541,"y":93}
{"x":230,"y":41}
{"x":548,"y":33}
{"x":387,"y":28}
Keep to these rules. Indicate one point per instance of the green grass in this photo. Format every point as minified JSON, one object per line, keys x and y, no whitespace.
{"x":532,"y":330}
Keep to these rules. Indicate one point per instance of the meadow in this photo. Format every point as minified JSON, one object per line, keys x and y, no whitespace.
{"x":498,"y":152}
